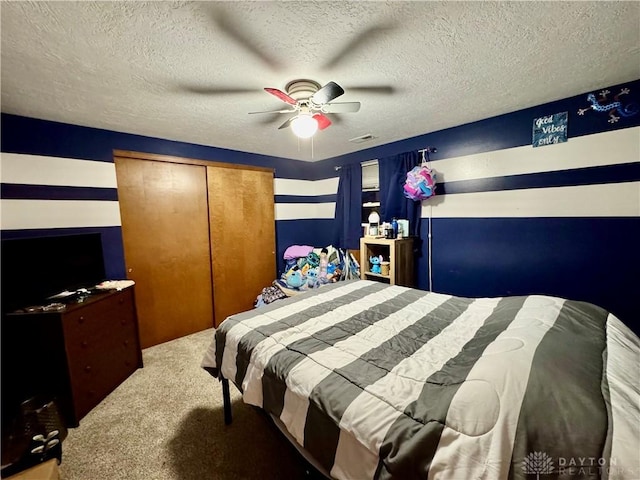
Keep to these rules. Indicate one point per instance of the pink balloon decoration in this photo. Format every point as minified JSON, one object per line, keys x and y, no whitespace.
{"x":420,"y":184}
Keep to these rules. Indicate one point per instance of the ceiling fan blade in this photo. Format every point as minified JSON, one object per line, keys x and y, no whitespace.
{"x":286,"y":124}
{"x":323,"y":121}
{"x":243,"y":37}
{"x":214,"y":90}
{"x":341,"y":107}
{"x":268,"y":119}
{"x":336,"y":119}
{"x":361,"y":38}
{"x":282,"y":96}
{"x":381,"y":89}
{"x":327,"y":93}
{"x":274,"y":111}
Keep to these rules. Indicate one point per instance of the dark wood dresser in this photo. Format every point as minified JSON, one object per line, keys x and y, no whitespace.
{"x":78,"y":354}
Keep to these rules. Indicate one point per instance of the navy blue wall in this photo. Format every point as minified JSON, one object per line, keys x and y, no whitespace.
{"x":496,"y":133}
{"x":513,"y":243}
{"x":22,"y":135}
{"x":42,"y":137}
{"x":500,"y":251}
{"x":588,"y":259}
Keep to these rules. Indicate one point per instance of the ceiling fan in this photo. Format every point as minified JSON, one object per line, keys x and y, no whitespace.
{"x":310,"y":103}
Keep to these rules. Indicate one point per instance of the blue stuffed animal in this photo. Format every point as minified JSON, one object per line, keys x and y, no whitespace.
{"x":375,"y":264}
{"x":294,"y":278}
{"x":313,"y":280}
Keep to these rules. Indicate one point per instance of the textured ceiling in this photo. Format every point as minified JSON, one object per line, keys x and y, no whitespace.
{"x":191,"y":71}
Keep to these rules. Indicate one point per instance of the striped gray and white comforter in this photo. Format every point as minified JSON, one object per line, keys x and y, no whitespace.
{"x":379,"y":381}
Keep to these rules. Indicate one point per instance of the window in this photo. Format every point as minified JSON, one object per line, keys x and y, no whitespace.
{"x":370,"y":189}
{"x":370,"y":177}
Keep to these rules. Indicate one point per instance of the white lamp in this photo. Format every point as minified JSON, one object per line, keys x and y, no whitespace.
{"x":374,"y":222}
{"x":304,"y":125}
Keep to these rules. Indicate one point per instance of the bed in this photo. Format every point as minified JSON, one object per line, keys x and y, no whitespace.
{"x":373,"y":381}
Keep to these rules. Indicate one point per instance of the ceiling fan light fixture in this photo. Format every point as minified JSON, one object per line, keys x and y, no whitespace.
{"x":304,"y":126}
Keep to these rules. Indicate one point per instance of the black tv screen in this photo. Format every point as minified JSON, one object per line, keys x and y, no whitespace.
{"x":34,"y":269}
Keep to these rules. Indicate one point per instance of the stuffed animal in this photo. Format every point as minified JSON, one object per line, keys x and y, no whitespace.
{"x":313,"y":280}
{"x":323,"y":264}
{"x":313,"y":259}
{"x":375,"y":264}
{"x":305,"y":269}
{"x":294,"y":278}
{"x":336,"y":275}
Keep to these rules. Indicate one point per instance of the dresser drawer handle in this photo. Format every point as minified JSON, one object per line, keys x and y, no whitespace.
{"x":84,"y":344}
{"x":121,"y":301}
{"x":81,"y":319}
{"x":87,"y":369}
{"x":126,"y":343}
{"x":123,"y":322}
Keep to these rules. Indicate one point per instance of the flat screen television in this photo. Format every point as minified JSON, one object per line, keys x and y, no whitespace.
{"x":34,"y":269}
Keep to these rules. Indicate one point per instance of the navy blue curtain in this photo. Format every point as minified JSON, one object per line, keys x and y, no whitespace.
{"x":348,"y":218}
{"x":393,"y":174}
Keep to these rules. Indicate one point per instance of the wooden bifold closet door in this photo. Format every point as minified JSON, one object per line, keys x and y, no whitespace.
{"x":242,"y":222}
{"x":186,"y":228}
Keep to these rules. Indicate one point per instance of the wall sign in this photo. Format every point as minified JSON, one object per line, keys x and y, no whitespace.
{"x":550,"y":129}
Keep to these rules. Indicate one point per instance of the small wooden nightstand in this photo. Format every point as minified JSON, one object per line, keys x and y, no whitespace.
{"x":399,"y":254}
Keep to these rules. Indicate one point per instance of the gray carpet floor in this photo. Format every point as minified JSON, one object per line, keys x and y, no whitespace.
{"x":165,"y":422}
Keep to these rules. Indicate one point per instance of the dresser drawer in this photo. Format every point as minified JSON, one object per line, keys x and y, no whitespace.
{"x":98,"y":373}
{"x":112,"y":317}
{"x":102,"y":351}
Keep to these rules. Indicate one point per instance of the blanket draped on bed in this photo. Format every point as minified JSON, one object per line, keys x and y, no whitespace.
{"x":379,"y":381}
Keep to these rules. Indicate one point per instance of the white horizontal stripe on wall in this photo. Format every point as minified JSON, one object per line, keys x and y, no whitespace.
{"x":298,"y":211}
{"x":327,"y":186}
{"x":40,"y":170}
{"x":288,"y":186}
{"x":607,"y":148}
{"x":35,"y":214}
{"x":607,"y":200}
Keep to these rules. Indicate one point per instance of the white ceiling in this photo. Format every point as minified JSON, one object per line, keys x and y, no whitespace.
{"x":144,"y":67}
